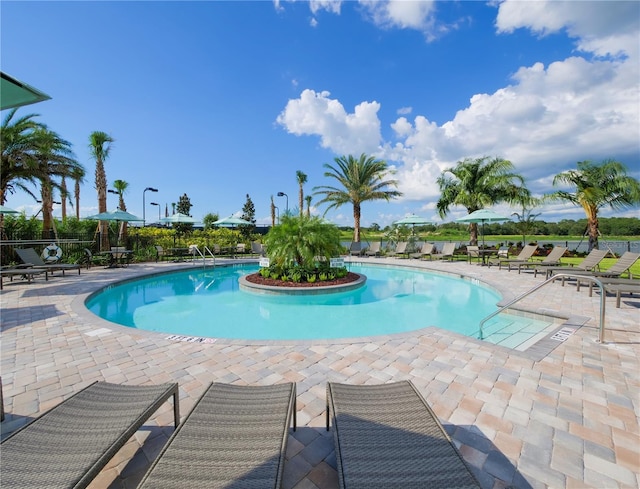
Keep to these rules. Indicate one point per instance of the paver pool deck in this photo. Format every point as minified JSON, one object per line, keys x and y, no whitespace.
{"x":564,"y":418}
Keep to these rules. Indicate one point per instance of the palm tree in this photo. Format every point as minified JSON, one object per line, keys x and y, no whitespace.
{"x":120,"y":187}
{"x":100,"y":147}
{"x":597,"y":186}
{"x":273,"y":213}
{"x":54,"y":158}
{"x":361,"y":179}
{"x":302,"y":179}
{"x":78,"y":178}
{"x":478,"y":183}
{"x":18,"y":141}
{"x":308,"y":198}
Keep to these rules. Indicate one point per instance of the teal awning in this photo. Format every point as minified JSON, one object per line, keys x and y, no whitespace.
{"x":14,"y":93}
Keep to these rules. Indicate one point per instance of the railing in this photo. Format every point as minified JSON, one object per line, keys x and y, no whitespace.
{"x":603,"y":296}
{"x":195,"y":250}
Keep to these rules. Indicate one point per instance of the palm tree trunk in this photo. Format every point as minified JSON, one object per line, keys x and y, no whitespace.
{"x":101,"y":188}
{"x":592,"y":228}
{"x":356,"y":223}
{"x":77,"y":193}
{"x":47,"y":207}
{"x":63,"y":200}
{"x":473,"y":234}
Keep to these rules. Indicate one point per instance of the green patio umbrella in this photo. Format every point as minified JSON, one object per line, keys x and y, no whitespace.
{"x":16,"y":93}
{"x":178,"y":218}
{"x":7,"y":210}
{"x":116,"y":215}
{"x":231,"y":222}
{"x":412,"y":220}
{"x":482,"y":216}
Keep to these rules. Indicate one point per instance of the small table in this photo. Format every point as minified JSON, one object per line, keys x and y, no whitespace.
{"x":115,"y":255}
{"x":484,"y":254}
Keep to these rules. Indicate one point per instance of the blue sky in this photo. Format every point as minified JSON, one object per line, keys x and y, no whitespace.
{"x":223,"y":99}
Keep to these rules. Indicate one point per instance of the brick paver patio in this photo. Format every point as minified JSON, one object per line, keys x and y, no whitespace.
{"x":565,"y":419}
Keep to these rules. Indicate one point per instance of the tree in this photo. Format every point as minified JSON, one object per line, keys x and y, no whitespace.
{"x":55,"y":159}
{"x":273,"y":213}
{"x":527,"y":220}
{"x":183,"y":207}
{"x":302,"y":179}
{"x":209,"y":219}
{"x":78,"y":175}
{"x":308,"y":198}
{"x":100,"y":148}
{"x":361,"y":179}
{"x":121,"y":186}
{"x":478,"y":183}
{"x":18,"y":144}
{"x":597,"y":186}
{"x":248,"y":214}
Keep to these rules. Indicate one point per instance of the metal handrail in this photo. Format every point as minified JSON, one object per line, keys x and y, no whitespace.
{"x":603,"y":296}
{"x":195,"y":249}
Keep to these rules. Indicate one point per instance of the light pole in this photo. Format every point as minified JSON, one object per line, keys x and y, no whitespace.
{"x":114,"y":192}
{"x":143,"y":209}
{"x":282,"y":194}
{"x":155,"y":203}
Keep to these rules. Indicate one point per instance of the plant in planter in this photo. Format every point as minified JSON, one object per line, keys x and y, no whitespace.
{"x":300,"y":249}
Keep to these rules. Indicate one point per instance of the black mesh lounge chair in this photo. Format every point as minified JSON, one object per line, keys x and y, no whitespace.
{"x":235,"y":437}
{"x":388,"y":436}
{"x":27,"y":273}
{"x":30,"y":257}
{"x":68,"y":446}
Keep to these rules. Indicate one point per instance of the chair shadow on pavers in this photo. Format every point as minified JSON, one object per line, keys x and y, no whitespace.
{"x":19,"y":316}
{"x":310,"y":447}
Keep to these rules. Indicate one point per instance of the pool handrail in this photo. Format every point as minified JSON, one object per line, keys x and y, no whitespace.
{"x":603,"y":296}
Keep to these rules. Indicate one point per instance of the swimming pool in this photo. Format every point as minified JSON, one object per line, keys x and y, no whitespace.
{"x":209,"y":303}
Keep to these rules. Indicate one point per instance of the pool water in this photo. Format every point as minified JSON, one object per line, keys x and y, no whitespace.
{"x":209,"y":303}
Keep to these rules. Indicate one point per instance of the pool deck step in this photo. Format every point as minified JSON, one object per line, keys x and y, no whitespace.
{"x":516,"y":332}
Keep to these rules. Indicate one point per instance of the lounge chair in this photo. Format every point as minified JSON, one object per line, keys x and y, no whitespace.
{"x":373,"y":249}
{"x":448,"y":250}
{"x":388,"y":436}
{"x":591,"y":262}
{"x":473,"y":252}
{"x":620,"y":267}
{"x":425,"y":250}
{"x":524,"y":256}
{"x":617,"y":286}
{"x":355,"y":248}
{"x":28,"y":273}
{"x":235,"y":436}
{"x":257,"y":248}
{"x":161,"y":253}
{"x":401,"y":249}
{"x":70,"y":444}
{"x":551,"y":260}
{"x":30,"y":257}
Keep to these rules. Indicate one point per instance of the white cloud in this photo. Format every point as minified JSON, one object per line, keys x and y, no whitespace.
{"x":404,"y":110}
{"x":314,"y":113}
{"x":332,"y":6}
{"x":602,"y":28}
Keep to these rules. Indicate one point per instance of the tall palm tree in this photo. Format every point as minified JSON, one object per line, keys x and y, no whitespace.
{"x":18,"y":147}
{"x":597,"y":186}
{"x":308,"y":198}
{"x":121,"y":186}
{"x":361,"y":179}
{"x":273,"y":213}
{"x":100,"y":147}
{"x":302,"y":179}
{"x":54,"y":159}
{"x":78,"y":178}
{"x":479,"y":183}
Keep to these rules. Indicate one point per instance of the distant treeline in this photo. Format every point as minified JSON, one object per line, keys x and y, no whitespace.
{"x":609,"y":226}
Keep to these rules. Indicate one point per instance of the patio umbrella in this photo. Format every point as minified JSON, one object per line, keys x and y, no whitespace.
{"x":6,"y":210}
{"x":231,"y":222}
{"x":16,"y":93}
{"x":117,"y":215}
{"x":178,"y":218}
{"x":482,"y":216}
{"x":413,"y":220}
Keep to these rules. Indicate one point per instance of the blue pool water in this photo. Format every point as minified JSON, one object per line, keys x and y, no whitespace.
{"x":209,"y":303}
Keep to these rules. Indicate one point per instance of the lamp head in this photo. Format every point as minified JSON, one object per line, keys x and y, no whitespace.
{"x":151,"y":189}
{"x":281,"y":194}
{"x":112,"y":191}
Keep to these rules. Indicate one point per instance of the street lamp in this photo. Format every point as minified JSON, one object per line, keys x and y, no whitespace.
{"x":114,"y":192}
{"x":155,"y":203}
{"x":282,"y":194}
{"x":143,"y":209}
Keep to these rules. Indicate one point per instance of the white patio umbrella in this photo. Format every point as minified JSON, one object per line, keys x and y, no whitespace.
{"x":7,"y":210}
{"x":231,"y":222}
{"x":178,"y":218}
{"x":482,"y":216}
